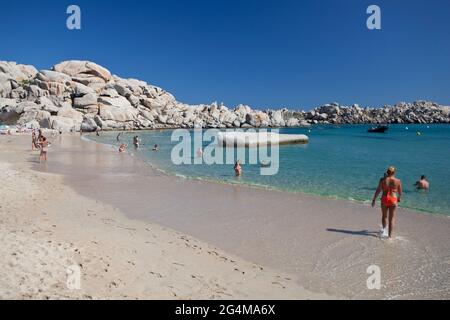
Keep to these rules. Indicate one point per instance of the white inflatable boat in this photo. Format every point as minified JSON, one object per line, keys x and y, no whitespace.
{"x":253,"y":139}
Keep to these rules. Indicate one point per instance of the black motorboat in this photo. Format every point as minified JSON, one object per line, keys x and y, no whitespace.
{"x":378,"y":129}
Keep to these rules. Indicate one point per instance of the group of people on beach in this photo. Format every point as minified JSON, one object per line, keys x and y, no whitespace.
{"x":40,"y":142}
{"x":391,"y":189}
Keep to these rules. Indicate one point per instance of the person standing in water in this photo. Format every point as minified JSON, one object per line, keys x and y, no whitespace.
{"x":33,"y":141}
{"x":392,"y":193}
{"x":40,"y":139}
{"x":238,"y":168}
{"x":44,"y":149}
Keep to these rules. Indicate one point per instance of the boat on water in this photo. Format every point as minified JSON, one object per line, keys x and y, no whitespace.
{"x":378,"y":129}
{"x":254,"y":139}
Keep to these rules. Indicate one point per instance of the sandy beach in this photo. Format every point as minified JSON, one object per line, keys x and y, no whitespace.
{"x":139,"y":234}
{"x":46,"y":226}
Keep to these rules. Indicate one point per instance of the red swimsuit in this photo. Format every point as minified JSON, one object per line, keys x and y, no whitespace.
{"x":389,"y":198}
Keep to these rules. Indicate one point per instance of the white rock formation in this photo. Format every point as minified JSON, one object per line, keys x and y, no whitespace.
{"x":82,"y":94}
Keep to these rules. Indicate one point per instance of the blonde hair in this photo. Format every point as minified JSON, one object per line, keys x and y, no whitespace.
{"x":390,"y":171}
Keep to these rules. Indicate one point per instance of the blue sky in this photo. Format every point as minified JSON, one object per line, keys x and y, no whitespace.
{"x":282,"y":53}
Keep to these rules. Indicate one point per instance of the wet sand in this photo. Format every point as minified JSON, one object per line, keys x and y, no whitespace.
{"x":326,"y":244}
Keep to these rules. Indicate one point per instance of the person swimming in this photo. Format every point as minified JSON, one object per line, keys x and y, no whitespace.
{"x":155,"y":148}
{"x":122,"y":147}
{"x":422,"y":184}
{"x":238,"y":168}
{"x":392,"y":193}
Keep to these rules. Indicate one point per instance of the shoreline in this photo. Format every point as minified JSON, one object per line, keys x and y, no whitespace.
{"x":241,"y":220}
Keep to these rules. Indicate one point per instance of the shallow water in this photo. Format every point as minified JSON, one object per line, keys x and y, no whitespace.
{"x":340,"y":161}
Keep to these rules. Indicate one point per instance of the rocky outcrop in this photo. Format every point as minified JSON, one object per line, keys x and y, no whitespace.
{"x":76,"y":95}
{"x":84,"y":72}
{"x":12,"y":76}
{"x":416,"y":112}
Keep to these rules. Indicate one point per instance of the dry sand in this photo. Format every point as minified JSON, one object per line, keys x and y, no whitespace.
{"x":106,"y":205}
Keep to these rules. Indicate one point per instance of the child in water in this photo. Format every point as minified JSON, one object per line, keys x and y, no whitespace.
{"x":122,"y":147}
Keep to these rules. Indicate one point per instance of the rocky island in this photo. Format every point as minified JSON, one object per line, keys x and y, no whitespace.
{"x":82,"y":95}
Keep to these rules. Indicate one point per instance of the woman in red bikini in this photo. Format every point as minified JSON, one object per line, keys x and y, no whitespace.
{"x":392,"y":193}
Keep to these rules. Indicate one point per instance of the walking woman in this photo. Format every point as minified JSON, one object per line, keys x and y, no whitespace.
{"x":391,"y":187}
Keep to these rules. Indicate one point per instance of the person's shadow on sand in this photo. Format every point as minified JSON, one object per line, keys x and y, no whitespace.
{"x":365,"y":233}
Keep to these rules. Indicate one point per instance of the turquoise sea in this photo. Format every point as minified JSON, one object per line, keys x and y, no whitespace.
{"x":342,"y":162}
